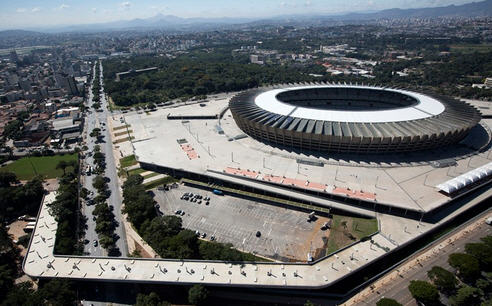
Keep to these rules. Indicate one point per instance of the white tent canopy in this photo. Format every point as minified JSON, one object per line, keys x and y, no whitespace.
{"x":466,"y":179}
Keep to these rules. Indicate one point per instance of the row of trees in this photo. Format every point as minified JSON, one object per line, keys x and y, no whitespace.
{"x":96,"y":87}
{"x":105,"y":219}
{"x":99,"y":160}
{"x":470,"y":284}
{"x":66,"y":211}
{"x":165,"y":234}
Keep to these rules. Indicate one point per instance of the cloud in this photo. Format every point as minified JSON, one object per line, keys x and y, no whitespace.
{"x":307,"y":3}
{"x":64,"y":6}
{"x":94,"y":10}
{"x":35,"y":9}
{"x":21,"y":10}
{"x":283,"y":4}
{"x":125,"y":5}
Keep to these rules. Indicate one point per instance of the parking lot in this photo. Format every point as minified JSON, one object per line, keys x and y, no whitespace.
{"x":286,"y":235}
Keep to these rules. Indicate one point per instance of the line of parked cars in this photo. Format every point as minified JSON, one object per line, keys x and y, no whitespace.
{"x":195,"y":198}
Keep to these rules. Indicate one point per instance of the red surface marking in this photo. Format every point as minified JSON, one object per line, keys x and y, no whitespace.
{"x":355,"y":194}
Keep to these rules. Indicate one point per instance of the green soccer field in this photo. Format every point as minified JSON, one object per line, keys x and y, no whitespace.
{"x":28,"y":167}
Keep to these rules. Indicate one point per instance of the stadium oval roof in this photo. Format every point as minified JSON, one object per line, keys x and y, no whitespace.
{"x":352,"y":118}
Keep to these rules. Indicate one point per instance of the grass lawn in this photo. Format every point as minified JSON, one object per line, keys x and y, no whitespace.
{"x":136,"y":171}
{"x":28,"y":167}
{"x":344,"y":226}
{"x":150,"y":175}
{"x":162,"y":181}
{"x":128,"y":161}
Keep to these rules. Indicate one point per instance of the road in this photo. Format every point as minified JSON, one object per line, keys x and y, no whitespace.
{"x":90,"y":233}
{"x":93,"y":120}
{"x":395,"y":284}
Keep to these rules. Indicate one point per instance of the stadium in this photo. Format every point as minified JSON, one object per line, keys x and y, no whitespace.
{"x":352,"y":118}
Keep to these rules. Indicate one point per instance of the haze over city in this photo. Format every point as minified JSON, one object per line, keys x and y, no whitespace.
{"x":29,"y":14}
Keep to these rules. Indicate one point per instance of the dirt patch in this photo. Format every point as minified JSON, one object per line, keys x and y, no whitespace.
{"x":122,"y":133}
{"x":142,"y":252}
{"x":16,"y":230}
{"x":51,"y":184}
{"x":317,"y":241}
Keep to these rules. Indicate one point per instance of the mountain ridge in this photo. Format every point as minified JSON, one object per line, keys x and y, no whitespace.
{"x":171,"y":22}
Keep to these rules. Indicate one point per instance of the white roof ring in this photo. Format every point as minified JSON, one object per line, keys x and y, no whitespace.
{"x":425,"y":108}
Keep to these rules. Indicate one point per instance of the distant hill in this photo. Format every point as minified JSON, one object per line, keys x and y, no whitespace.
{"x":174,"y":23}
{"x":9,"y":34}
{"x":474,"y":9}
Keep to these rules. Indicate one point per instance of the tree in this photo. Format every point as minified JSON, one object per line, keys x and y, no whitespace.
{"x":99,"y":183}
{"x":13,"y":129}
{"x":443,"y":279}
{"x":151,"y":299}
{"x":58,"y":292}
{"x":466,"y":296}
{"x":62,"y":165}
{"x":197,"y":295}
{"x":387,"y":302}
{"x":161,"y":227}
{"x":424,"y":292}
{"x":133,"y":180}
{"x":6,"y":280}
{"x":96,"y":132}
{"x":84,"y":192}
{"x":7,"y":178}
{"x":467,"y":266}
{"x":23,"y":294}
{"x":482,"y":251}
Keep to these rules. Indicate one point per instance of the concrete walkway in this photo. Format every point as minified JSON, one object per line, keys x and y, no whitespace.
{"x":154,"y":178}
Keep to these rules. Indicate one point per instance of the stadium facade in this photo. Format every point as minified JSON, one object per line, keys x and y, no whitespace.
{"x":352,"y":118}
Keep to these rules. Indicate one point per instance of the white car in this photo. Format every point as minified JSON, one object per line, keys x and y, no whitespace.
{"x":488,"y":220}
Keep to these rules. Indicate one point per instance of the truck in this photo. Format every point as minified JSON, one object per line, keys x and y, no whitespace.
{"x":218,"y":192}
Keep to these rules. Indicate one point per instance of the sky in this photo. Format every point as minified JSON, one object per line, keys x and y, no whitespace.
{"x":18,"y":14}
